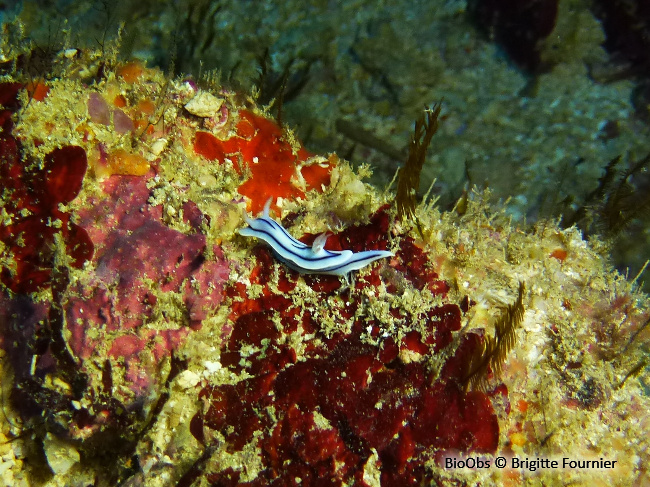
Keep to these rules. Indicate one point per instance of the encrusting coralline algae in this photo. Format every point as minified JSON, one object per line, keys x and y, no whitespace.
{"x":145,"y":342}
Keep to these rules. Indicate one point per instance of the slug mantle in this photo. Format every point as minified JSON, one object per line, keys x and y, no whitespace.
{"x":303,"y":258}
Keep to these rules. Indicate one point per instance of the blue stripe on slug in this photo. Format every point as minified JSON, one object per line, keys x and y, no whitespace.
{"x":358,"y":261}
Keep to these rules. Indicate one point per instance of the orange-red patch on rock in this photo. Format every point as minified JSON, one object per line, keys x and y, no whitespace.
{"x":37,"y":91}
{"x":130,"y":72}
{"x":120,"y":101}
{"x":317,"y":175}
{"x":126,"y":164}
{"x":208,"y":146}
{"x":559,"y":254}
{"x":274,"y":166}
{"x":147,"y":107}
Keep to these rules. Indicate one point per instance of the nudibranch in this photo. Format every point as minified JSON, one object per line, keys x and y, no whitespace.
{"x":303,"y":258}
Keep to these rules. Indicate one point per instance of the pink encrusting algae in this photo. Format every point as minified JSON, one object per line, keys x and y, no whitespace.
{"x":111,"y":312}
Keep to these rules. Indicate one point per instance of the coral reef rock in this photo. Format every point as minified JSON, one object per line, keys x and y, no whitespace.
{"x":144,"y":342}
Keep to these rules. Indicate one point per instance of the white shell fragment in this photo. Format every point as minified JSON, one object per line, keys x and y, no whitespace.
{"x":158,"y":146}
{"x":204,"y":104}
{"x":61,"y":456}
{"x":188,"y":379}
{"x":70,"y":53}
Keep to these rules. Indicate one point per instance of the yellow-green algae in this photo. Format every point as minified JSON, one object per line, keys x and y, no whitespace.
{"x":578,"y":309}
